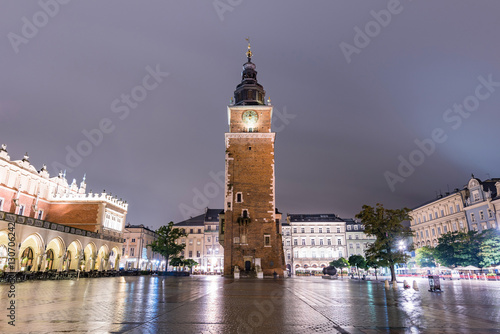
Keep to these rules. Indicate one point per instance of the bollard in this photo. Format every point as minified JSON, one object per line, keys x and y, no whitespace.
{"x":415,"y":286}
{"x":394,"y":284}
{"x":386,"y":284}
{"x":405,"y":284}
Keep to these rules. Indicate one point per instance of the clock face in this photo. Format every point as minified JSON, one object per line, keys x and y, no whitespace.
{"x":250,"y":117}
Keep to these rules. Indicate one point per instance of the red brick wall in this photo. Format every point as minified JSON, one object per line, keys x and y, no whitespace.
{"x":83,"y":216}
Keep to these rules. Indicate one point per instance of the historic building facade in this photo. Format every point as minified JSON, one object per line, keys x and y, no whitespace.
{"x":315,"y":240}
{"x":57,"y":225}
{"x":475,"y":207}
{"x":251,"y":231}
{"x":357,"y":240}
{"x":202,"y":242}
{"x":135,"y":253}
{"x":434,"y":218}
{"x":479,"y":203}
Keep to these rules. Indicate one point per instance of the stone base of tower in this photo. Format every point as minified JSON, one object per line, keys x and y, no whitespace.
{"x":248,"y":263}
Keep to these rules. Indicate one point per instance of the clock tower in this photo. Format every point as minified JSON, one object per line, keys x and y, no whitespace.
{"x":250,"y":228}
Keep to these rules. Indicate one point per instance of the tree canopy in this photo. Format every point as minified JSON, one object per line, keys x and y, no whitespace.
{"x":490,"y":248}
{"x":425,"y":257}
{"x":386,"y":225}
{"x":166,"y":244}
{"x":340,"y":263}
{"x":458,"y":249}
{"x":357,"y":261}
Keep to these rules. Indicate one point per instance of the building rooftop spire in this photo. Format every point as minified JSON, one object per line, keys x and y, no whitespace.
{"x":249,"y":91}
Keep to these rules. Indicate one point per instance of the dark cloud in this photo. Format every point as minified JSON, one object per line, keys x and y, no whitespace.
{"x":351,"y":120}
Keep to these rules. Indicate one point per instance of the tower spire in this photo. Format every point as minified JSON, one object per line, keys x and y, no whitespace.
{"x":249,"y":91}
{"x":249,"y":51}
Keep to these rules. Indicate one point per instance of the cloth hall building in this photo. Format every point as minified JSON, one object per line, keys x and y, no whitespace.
{"x":57,"y":224}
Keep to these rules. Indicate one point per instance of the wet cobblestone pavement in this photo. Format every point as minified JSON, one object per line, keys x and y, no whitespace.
{"x":212,"y":304}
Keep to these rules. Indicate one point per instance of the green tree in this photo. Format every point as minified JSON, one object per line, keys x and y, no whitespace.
{"x":166,"y":244}
{"x":425,"y":257}
{"x":459,"y":249}
{"x":490,"y":248}
{"x":340,"y":263}
{"x":386,"y":225}
{"x":373,"y":262}
{"x":190,"y":263}
{"x":177,"y":262}
{"x":357,"y":261}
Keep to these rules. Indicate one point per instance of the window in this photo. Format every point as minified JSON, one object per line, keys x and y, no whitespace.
{"x":320,"y":230}
{"x":132,"y":251}
{"x":1,"y":204}
{"x":454,"y":226}
{"x":357,"y":245}
{"x":294,"y":230}
{"x":340,"y":253}
{"x":356,"y":227}
{"x":21,"y":210}
{"x":198,"y":242}
{"x":209,"y":227}
{"x":476,"y":195}
{"x":40,"y":214}
{"x":433,"y":232}
{"x":123,"y":251}
{"x":190,"y":241}
{"x":357,"y":236}
{"x":190,"y":253}
{"x":314,"y":254}
{"x":303,"y":242}
{"x":419,"y":221}
{"x":451,"y":210}
{"x":236,"y":240}
{"x":209,"y":239}
{"x":490,"y":213}
{"x":216,"y":250}
{"x":288,"y":256}
{"x":296,"y":253}
{"x":445,"y":229}
{"x":321,"y":242}
{"x":190,"y":230}
{"x":267,"y":240}
{"x":427,"y":233}
{"x":481,"y":215}
{"x":327,"y":230}
{"x":288,"y":242}
{"x":209,"y":251}
{"x":339,"y":242}
{"x":350,"y":236}
{"x":216,"y":239}
{"x":430,"y":216}
{"x":295,"y":242}
{"x":348,"y":227}
{"x":472,"y":218}
{"x":312,"y":229}
{"x":133,"y":239}
{"x":442,"y":213}
{"x":322,"y":254}
{"x":302,"y":230}
{"x":238,"y":198}
{"x":197,"y":253}
{"x":199,"y":230}
{"x":435,"y":215}
{"x":313,"y":242}
{"x":458,"y":207}
{"x":329,"y":241}
{"x":439,"y":230}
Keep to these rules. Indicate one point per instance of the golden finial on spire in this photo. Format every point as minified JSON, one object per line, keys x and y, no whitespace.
{"x":249,"y":52}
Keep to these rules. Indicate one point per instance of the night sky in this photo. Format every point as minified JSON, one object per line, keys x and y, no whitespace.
{"x":352,"y":95}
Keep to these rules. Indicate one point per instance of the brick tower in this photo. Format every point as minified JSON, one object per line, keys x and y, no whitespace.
{"x":250,"y":227}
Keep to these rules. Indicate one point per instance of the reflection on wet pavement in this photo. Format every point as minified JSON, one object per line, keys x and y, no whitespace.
{"x":212,"y":304}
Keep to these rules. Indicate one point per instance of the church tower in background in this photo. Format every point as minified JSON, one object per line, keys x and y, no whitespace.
{"x":250,"y":228}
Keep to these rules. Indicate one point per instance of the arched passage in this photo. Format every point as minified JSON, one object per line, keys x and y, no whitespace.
{"x":102,"y":258}
{"x":54,"y":254}
{"x":31,"y":253}
{"x":73,"y":256}
{"x":114,"y":259}
{"x":90,"y":256}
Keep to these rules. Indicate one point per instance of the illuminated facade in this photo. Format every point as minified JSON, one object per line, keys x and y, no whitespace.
{"x":202,"y":242}
{"x":57,"y":225}
{"x":136,"y":254}
{"x":250,"y":228}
